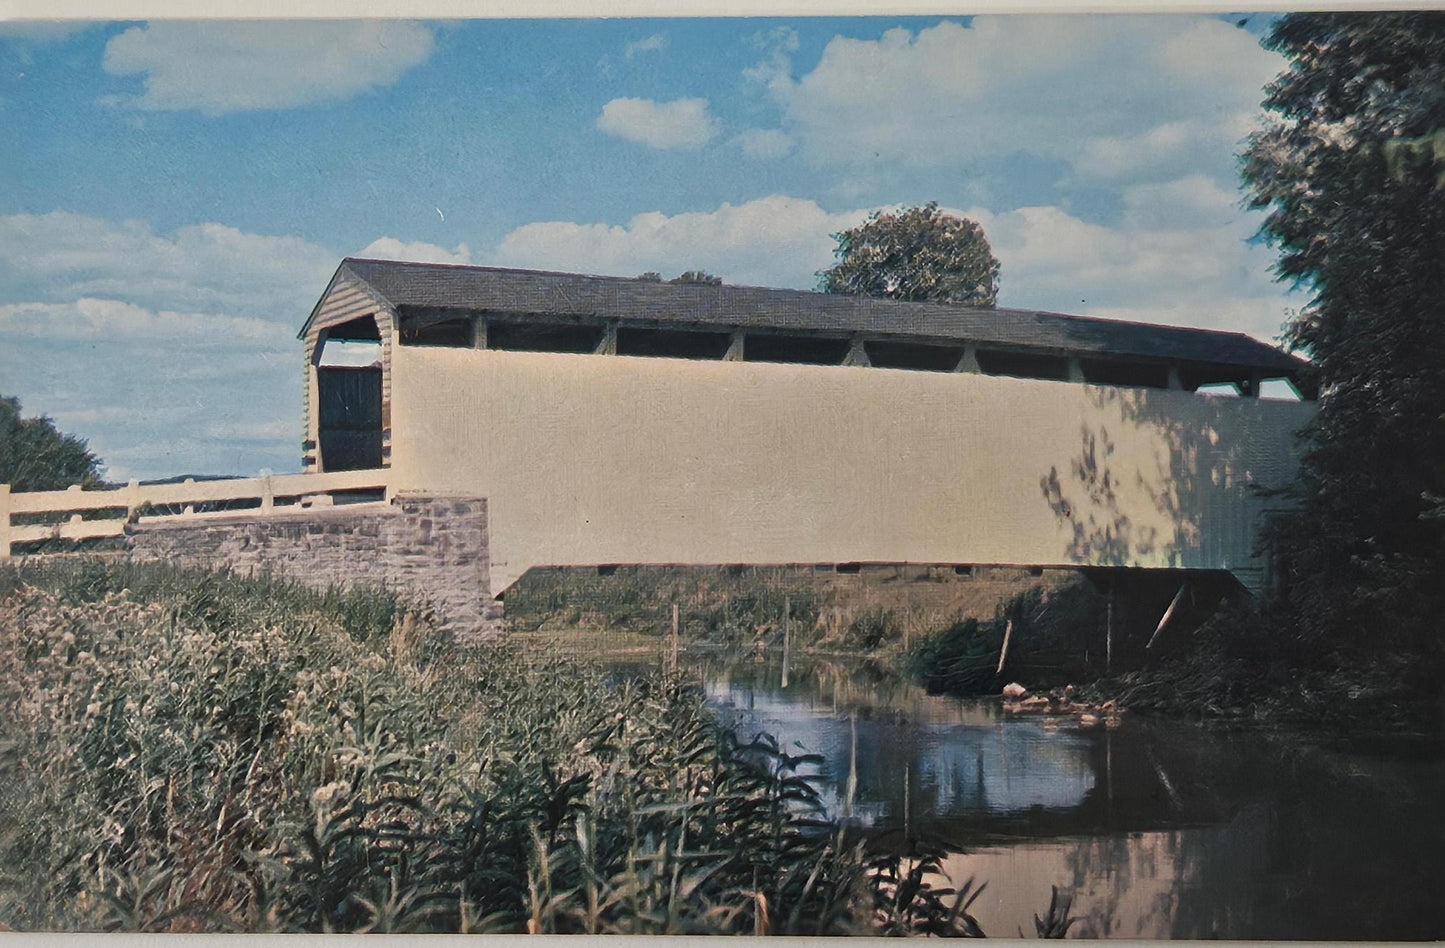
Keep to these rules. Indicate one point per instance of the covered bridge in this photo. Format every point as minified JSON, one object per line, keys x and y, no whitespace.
{"x":626,"y":421}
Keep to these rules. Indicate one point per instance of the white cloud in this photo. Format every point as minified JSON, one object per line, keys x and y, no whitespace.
{"x":1189,"y":202}
{"x":220,"y":67}
{"x":771,"y":241}
{"x":681,"y":123}
{"x":389,"y":248}
{"x":62,"y":256}
{"x":774,"y":72}
{"x":155,"y":392}
{"x":648,"y":44}
{"x":1178,"y":255}
{"x":1138,"y":93}
{"x":765,"y":144}
{"x":111,"y":320}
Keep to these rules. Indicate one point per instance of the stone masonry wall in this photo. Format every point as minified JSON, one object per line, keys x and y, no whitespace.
{"x":431,"y":549}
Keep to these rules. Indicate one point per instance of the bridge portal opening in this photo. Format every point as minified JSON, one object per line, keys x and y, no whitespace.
{"x":349,"y":393}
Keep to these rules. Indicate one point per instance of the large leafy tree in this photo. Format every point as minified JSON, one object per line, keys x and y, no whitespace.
{"x":918,"y":253}
{"x":1356,"y":206}
{"x":35,"y":456}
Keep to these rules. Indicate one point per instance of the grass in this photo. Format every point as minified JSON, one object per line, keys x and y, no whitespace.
{"x":879,"y":609}
{"x":189,"y":752}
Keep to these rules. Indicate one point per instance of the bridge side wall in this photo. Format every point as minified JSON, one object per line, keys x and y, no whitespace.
{"x":433,"y":549}
{"x":607,"y":459}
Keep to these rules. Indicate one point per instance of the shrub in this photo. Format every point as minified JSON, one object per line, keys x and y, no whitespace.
{"x":960,"y":659}
{"x":1055,"y":639}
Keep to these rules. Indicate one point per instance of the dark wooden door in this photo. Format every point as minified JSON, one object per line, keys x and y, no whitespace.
{"x":350,"y":417}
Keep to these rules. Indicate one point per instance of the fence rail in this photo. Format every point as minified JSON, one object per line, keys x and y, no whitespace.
{"x":131,"y":502}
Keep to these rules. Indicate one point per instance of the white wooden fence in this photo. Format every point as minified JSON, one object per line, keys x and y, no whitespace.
{"x":146,"y":503}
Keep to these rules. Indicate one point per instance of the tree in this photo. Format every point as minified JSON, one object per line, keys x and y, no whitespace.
{"x":35,"y":456}
{"x":1356,"y":207}
{"x":697,"y":276}
{"x":918,"y":253}
{"x":688,"y":276}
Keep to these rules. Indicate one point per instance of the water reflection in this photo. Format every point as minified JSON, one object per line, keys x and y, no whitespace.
{"x":1159,"y":829}
{"x":915,"y":754}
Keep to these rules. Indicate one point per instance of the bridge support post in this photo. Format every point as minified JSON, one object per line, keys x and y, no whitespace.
{"x":4,"y":522}
{"x":1109,"y":625}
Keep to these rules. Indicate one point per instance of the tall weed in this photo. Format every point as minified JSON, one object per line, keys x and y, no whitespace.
{"x":189,"y":751}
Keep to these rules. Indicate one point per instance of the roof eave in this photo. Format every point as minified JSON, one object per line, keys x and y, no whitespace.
{"x":343,"y":269}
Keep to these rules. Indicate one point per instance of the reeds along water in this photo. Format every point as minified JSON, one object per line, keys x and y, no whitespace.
{"x":199,"y":752}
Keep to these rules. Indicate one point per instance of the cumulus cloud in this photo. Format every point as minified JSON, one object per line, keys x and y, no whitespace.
{"x":221,"y":67}
{"x":389,"y":248}
{"x":1178,"y":255}
{"x":681,"y":123}
{"x":62,"y":256}
{"x":110,"y":320}
{"x":648,"y":44}
{"x":1107,"y":95}
{"x":771,"y":241}
{"x":156,"y":392}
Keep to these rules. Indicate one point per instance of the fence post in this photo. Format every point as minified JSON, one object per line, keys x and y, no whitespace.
{"x":787,"y":630}
{"x":268,"y":497}
{"x":75,"y":517}
{"x":4,"y":522}
{"x":190,"y":508}
{"x":672,"y":653}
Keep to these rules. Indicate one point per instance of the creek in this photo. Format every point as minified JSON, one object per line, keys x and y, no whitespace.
{"x":1158,"y":828}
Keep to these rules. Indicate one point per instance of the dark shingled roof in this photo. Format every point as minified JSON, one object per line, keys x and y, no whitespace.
{"x":430,"y":285}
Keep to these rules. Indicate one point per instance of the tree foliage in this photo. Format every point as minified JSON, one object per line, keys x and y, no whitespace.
{"x":687,"y":276}
{"x":697,"y":276}
{"x":1352,"y":182}
{"x":918,"y":253}
{"x":35,"y":456}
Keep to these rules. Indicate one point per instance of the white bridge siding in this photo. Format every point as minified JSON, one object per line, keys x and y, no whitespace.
{"x":587,"y":461}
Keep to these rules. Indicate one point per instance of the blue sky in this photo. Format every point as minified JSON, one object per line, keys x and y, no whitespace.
{"x":174,"y":195}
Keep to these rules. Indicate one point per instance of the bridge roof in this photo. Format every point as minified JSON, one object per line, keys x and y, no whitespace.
{"x":570,"y":295}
